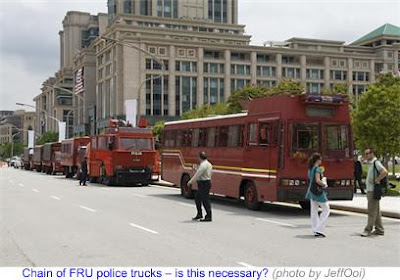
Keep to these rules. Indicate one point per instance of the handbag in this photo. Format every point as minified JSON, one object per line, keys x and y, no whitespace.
{"x":315,"y":188}
{"x":378,"y":187}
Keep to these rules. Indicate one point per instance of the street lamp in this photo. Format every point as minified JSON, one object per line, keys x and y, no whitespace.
{"x":61,"y":125}
{"x":156,"y":58}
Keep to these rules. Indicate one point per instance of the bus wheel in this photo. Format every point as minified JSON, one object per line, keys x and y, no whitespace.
{"x":186,"y":190}
{"x":251,"y":197}
{"x":93,"y":180}
{"x":305,"y":204}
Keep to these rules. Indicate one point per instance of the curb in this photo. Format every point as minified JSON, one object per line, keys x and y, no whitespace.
{"x":387,"y":214}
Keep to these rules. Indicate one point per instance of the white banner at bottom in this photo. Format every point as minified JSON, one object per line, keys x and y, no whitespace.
{"x":175,"y":273}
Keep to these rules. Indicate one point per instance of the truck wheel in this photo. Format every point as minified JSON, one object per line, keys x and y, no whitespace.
{"x":251,"y":197}
{"x":186,"y":190}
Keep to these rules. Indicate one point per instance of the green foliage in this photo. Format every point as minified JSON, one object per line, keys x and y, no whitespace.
{"x":253,"y":92}
{"x":158,"y":130}
{"x":376,"y":118}
{"x":288,"y":87}
{"x":206,"y":111}
{"x":5,"y":150}
{"x":387,"y":80}
{"x":48,"y":137}
{"x":337,"y":89}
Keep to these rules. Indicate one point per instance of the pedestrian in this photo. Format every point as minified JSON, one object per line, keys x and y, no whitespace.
{"x":83,"y":173}
{"x":376,"y":172}
{"x":315,"y":175}
{"x":203,"y":178}
{"x":357,"y":175}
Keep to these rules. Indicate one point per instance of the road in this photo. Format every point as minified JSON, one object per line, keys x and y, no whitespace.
{"x":52,"y":221}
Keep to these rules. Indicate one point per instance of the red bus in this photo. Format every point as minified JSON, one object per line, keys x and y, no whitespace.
{"x":261,"y":155}
{"x":37,"y":158}
{"x":70,"y":159}
{"x":123,"y":155}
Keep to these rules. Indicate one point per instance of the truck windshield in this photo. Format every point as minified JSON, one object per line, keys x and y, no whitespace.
{"x":136,"y":144}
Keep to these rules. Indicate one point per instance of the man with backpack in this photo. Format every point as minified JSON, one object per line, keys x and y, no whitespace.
{"x":376,"y":172}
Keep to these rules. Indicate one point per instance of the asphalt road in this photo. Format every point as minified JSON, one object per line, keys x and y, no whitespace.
{"x":52,"y":221}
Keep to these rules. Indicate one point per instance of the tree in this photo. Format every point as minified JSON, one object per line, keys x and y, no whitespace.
{"x":376,"y":118}
{"x":48,"y":137}
{"x":288,"y":87}
{"x":5,"y":149}
{"x":206,"y":111}
{"x":158,"y":130}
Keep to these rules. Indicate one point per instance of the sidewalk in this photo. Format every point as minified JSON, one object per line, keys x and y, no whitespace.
{"x":390,"y":205}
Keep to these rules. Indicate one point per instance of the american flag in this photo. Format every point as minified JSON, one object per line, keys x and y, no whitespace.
{"x":79,"y":82}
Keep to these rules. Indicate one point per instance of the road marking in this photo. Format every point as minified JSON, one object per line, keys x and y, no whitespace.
{"x":139,"y":195}
{"x":143,"y":228}
{"x":186,"y":204}
{"x":275,"y":222}
{"x":35,"y":190}
{"x":21,"y":185}
{"x":55,"y":197}
{"x":87,"y":208}
{"x":245,"y":264}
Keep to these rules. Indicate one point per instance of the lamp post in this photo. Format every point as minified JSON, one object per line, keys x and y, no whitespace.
{"x":61,"y":125}
{"x":156,"y":58}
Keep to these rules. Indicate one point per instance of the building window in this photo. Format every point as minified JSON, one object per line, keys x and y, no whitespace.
{"x":128,"y":7}
{"x":240,"y":69}
{"x":266,"y":83}
{"x":235,"y":56}
{"x":267,"y":71}
{"x":291,"y":72}
{"x":185,"y":94}
{"x":144,"y":7}
{"x":315,"y":74}
{"x":361,"y":76}
{"x":315,"y":88}
{"x":287,"y":59}
{"x":186,"y":66}
{"x":156,"y":95}
{"x":237,"y":84}
{"x":338,"y":75}
{"x":212,"y":54}
{"x":151,"y":64}
{"x":214,"y":91}
{"x":262,"y":58}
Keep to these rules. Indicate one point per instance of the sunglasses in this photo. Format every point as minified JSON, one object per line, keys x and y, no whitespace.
{"x":367,"y":153}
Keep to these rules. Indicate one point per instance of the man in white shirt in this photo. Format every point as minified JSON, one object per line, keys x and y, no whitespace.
{"x":376,"y":172}
{"x":203,"y":178}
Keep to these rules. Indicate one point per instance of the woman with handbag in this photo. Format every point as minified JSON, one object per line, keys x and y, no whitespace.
{"x":317,"y":195}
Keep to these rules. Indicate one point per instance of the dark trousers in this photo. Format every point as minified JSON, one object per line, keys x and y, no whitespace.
{"x":360,"y":185}
{"x":83,"y":178}
{"x":203,"y":197}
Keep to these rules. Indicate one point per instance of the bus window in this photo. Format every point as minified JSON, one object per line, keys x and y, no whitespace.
{"x":179,"y":138}
{"x":136,"y":144}
{"x":195,"y":137}
{"x":102,"y":143}
{"x":223,"y":135}
{"x":305,"y":137}
{"x":235,"y":136}
{"x":264,"y":134}
{"x":252,"y":134}
{"x":337,"y":140}
{"x":211,"y":137}
{"x":202,"y":137}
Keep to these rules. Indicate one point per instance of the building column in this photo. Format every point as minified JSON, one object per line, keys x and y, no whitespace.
{"x":303,"y":70}
{"x":278,"y":67}
{"x":227,"y":71}
{"x":350,"y":75}
{"x":372,"y":69}
{"x":253,"y":68}
{"x":326,"y":72}
{"x":171,"y":91}
{"x":200,"y":77}
{"x":396,"y":60}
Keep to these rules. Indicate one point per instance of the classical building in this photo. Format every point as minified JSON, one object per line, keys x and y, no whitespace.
{"x":15,"y":126}
{"x":56,"y":99}
{"x":206,"y":58}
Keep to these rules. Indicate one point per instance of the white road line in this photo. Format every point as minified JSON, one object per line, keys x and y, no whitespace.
{"x":143,"y":228}
{"x":275,"y":222}
{"x":187,"y":204}
{"x":139,"y":195}
{"x":55,"y":197}
{"x":245,"y":264}
{"x":35,"y":190}
{"x":21,"y":185}
{"x":87,"y":208}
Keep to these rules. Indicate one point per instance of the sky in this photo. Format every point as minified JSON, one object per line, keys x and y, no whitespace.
{"x":29,"y":40}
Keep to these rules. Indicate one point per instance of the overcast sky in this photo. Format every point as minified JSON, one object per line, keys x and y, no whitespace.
{"x":29,"y":41}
